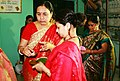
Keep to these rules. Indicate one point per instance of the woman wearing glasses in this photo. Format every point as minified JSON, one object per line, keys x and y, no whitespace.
{"x":99,"y":56}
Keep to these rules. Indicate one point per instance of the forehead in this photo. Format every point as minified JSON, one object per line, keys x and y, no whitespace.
{"x":42,"y":9}
{"x":90,"y":22}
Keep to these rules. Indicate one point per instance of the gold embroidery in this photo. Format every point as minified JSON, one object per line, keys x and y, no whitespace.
{"x":35,"y":38}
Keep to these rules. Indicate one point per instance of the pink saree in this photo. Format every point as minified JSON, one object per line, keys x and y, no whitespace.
{"x":6,"y":69}
{"x":65,"y":64}
{"x":45,"y":35}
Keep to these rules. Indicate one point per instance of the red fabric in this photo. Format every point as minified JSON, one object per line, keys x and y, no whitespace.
{"x":6,"y":69}
{"x":65,"y":64}
{"x":29,"y":29}
{"x":50,"y":36}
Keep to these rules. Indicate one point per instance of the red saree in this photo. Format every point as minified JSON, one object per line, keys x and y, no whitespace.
{"x":6,"y":70}
{"x":49,"y":35}
{"x":65,"y":64}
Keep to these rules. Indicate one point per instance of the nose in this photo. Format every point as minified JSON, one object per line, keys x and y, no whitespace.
{"x":41,"y":16}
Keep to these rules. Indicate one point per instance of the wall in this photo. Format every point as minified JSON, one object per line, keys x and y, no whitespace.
{"x":80,"y":6}
{"x":10,"y":24}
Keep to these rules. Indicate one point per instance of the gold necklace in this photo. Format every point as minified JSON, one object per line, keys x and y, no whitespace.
{"x":71,"y":38}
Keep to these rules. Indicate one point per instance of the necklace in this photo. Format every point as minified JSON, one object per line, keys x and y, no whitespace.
{"x":71,"y":38}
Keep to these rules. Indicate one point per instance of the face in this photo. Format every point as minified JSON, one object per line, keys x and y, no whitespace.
{"x":43,"y":15}
{"x":61,"y":30}
{"x":91,"y":26}
{"x":29,"y":20}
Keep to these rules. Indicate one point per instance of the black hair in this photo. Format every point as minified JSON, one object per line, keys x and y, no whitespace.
{"x":81,"y":18}
{"x":47,"y":4}
{"x":66,"y":15}
{"x":29,"y":16}
{"x":93,"y":18}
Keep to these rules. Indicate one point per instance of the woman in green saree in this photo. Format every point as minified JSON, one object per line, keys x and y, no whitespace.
{"x":99,"y":57}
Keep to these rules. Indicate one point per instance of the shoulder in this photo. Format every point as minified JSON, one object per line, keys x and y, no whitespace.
{"x":30,"y":26}
{"x":53,"y":26}
{"x":67,"y":45}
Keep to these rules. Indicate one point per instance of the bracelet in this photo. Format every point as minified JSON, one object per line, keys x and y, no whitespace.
{"x":91,"y":51}
{"x":20,"y":52}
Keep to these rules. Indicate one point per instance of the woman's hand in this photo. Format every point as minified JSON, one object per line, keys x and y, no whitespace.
{"x":41,"y":67}
{"x":83,"y":49}
{"x":87,"y":51}
{"x":46,"y":46}
{"x":28,"y":52}
{"x":24,"y":49}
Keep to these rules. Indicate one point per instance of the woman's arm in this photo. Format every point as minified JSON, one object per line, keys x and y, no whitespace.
{"x":24,"y":49}
{"x":94,"y":5}
{"x":103,"y":49}
{"x":41,"y":67}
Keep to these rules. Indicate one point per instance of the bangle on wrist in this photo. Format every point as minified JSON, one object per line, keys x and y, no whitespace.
{"x":91,"y":51}
{"x":20,"y":52}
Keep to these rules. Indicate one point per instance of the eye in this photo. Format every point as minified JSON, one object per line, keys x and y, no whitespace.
{"x":45,"y":14}
{"x":38,"y":13}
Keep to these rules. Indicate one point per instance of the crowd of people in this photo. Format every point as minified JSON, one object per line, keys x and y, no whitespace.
{"x":89,"y":57}
{"x":69,"y":57}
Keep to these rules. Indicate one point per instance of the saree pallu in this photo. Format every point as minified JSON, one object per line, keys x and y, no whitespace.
{"x":44,"y":35}
{"x":99,"y":67}
{"x":6,"y":69}
{"x":65,"y":64}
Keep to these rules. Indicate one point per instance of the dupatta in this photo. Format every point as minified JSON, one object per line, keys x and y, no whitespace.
{"x":70,"y":50}
{"x":45,"y":35}
{"x":6,"y":69}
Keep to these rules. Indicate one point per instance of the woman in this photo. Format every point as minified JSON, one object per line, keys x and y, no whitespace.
{"x":6,"y":69}
{"x":28,"y":20}
{"x":65,"y":62}
{"x":42,"y":30}
{"x":99,"y":58}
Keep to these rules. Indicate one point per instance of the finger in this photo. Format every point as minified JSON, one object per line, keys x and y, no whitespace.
{"x":33,"y":54}
{"x":42,"y":42}
{"x":31,"y":50}
{"x":33,"y":67}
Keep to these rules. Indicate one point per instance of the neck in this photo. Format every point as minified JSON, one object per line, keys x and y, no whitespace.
{"x":72,"y":32}
{"x":69,"y":37}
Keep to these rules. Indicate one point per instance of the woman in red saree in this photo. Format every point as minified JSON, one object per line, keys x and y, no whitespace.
{"x":65,"y":62}
{"x":6,"y":69}
{"x":42,"y":30}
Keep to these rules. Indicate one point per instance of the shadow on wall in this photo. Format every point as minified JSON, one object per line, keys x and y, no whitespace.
{"x":6,"y":38}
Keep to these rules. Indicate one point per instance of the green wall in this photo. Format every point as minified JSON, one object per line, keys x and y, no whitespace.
{"x":80,"y":6}
{"x":10,"y":24}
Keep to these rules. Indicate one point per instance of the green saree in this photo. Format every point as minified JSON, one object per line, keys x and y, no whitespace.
{"x":98,"y":67}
